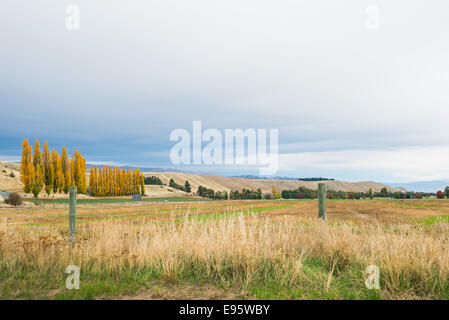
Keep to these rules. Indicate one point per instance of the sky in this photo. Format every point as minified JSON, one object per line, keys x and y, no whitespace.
{"x":358,"y":90}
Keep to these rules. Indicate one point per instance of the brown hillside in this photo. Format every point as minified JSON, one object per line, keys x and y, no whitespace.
{"x":8,"y":183}
{"x":219,"y":183}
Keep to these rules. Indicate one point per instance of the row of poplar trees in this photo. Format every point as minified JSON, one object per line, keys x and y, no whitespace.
{"x":112,"y":181}
{"x":48,"y":170}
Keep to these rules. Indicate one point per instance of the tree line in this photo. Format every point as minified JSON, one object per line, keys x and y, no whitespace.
{"x":233,"y":194}
{"x":48,"y":170}
{"x":186,"y":187}
{"x":153,"y":181}
{"x":112,"y":181}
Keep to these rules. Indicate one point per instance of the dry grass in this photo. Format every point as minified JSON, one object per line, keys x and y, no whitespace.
{"x":244,"y":251}
{"x":349,"y":211}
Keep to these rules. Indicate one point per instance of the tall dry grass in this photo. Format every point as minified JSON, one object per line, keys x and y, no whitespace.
{"x":240,"y":250}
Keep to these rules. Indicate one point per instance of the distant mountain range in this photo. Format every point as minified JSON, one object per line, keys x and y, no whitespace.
{"x":421,"y":186}
{"x":251,"y":176}
{"x":142,"y":169}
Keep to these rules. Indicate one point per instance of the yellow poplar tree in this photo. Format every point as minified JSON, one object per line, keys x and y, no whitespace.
{"x":110,"y":186}
{"x":99,"y":183}
{"x":137,"y":181}
{"x":38,"y":171}
{"x":123,"y":182}
{"x":58,"y":184}
{"x":129,"y":182}
{"x":92,"y":181}
{"x":65,"y":167}
{"x":83,"y":186}
{"x":276,"y":194}
{"x":72,"y":171}
{"x":78,"y":174}
{"x":142,"y":184}
{"x":48,"y":169}
{"x":26,"y":167}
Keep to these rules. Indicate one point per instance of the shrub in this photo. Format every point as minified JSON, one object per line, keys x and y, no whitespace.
{"x":12,"y":175}
{"x":153,"y":180}
{"x":173,"y":184}
{"x":14,"y":199}
{"x":397,"y":195}
{"x":268,"y":196}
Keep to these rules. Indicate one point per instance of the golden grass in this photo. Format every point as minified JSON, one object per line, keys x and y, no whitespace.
{"x":412,"y":260}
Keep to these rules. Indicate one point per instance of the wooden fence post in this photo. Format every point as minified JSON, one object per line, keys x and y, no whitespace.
{"x":72,"y":213}
{"x":322,"y":201}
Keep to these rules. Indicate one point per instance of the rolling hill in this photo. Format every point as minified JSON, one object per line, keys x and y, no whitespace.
{"x":11,"y":182}
{"x":219,"y":183}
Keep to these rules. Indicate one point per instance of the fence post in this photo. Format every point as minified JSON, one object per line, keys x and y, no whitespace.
{"x":322,"y":201}
{"x":72,"y":213}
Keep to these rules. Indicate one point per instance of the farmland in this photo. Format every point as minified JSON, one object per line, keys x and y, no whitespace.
{"x":186,"y":247}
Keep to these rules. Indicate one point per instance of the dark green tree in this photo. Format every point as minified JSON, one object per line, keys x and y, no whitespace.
{"x":446,"y":192}
{"x":187,"y":187}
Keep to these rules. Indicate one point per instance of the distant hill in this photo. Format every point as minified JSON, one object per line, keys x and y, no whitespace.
{"x":421,"y":186}
{"x":250,"y":176}
{"x":10,"y":177}
{"x":219,"y":183}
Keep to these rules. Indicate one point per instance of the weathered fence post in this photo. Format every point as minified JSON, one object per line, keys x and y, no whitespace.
{"x":322,"y":201}
{"x":72,"y":213}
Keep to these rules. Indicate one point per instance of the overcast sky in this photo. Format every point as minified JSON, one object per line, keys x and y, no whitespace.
{"x":350,"y":101}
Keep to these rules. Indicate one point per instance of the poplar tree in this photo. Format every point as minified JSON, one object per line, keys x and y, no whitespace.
{"x":37,"y":158}
{"x":78,"y":173}
{"x":110,"y":187}
{"x":92,"y":181}
{"x":123,"y":182}
{"x":26,"y":167}
{"x":142,"y":185}
{"x":65,"y":167}
{"x":72,"y":171}
{"x":48,"y":169}
{"x":38,"y":171}
{"x":136,"y":181}
{"x":129,"y":182}
{"x":58,"y":184}
{"x":83,"y":185}
{"x":99,"y":183}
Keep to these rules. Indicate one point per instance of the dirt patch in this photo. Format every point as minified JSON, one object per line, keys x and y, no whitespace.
{"x":190,"y":292}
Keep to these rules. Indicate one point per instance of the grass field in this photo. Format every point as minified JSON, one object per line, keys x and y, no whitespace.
{"x":270,"y":249}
